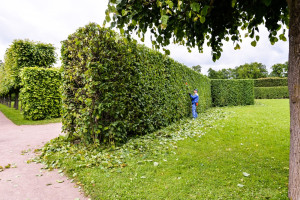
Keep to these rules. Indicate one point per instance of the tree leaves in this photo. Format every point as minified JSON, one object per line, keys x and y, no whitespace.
{"x":192,"y":20}
{"x":195,"y":6}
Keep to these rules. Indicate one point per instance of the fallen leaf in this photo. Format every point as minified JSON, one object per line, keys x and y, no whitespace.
{"x":48,"y":184}
{"x":60,"y":181}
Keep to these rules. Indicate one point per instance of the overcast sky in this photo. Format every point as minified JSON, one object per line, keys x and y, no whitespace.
{"x":51,"y":21}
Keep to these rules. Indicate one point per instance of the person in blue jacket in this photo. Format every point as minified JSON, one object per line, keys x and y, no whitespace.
{"x":195,"y":99}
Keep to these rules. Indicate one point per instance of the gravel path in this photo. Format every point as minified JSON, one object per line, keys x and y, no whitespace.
{"x":28,"y":181}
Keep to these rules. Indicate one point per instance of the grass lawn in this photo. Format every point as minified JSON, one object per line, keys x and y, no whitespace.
{"x":17,"y":118}
{"x":240,"y":153}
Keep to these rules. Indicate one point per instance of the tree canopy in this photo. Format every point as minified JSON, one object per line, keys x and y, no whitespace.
{"x":280,"y":70}
{"x":247,"y":71}
{"x":194,"y":23}
{"x":197,"y":68}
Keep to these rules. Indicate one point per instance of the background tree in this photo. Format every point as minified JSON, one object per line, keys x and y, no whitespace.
{"x":280,"y":70}
{"x":197,"y":68}
{"x":251,"y":71}
{"x":193,"y":23}
{"x":213,"y":74}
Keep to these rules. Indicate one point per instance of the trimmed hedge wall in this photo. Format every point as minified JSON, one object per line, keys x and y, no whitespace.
{"x":113,"y":88}
{"x":271,"y":92}
{"x":270,"y":82}
{"x":232,"y":92}
{"x":40,"y":94}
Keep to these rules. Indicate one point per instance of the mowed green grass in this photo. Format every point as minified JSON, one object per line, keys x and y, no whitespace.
{"x":253,"y":139}
{"x":17,"y":118}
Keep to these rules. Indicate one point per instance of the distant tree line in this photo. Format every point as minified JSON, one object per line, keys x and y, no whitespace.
{"x":249,"y":71}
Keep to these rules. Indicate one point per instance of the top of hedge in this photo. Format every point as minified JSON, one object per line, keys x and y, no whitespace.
{"x":270,"y":82}
{"x":20,"y":54}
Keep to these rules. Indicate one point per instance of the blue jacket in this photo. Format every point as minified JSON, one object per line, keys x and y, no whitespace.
{"x":195,"y":98}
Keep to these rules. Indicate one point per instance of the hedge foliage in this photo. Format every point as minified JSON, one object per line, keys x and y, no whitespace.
{"x":271,"y":92}
{"x":20,"y":54}
{"x":270,"y":82}
{"x":113,"y":88}
{"x":232,"y":92}
{"x":40,"y":94}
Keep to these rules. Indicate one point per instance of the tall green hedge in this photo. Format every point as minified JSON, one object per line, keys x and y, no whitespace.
{"x":24,"y":53}
{"x":40,"y":94}
{"x":232,"y":92}
{"x":270,"y":82}
{"x":271,"y":92}
{"x":113,"y":88}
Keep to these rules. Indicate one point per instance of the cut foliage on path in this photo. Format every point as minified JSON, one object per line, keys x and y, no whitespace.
{"x":227,"y":153}
{"x":20,"y":179}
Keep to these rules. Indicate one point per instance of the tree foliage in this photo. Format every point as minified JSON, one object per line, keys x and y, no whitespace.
{"x":194,"y":23}
{"x":280,"y":70}
{"x":251,"y":71}
{"x":197,"y":68}
{"x":247,"y":71}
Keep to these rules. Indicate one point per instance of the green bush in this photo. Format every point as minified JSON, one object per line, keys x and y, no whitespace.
{"x":40,"y":94}
{"x":113,"y":88}
{"x":271,"y":92}
{"x":20,"y":54}
{"x":232,"y":92}
{"x":270,"y":82}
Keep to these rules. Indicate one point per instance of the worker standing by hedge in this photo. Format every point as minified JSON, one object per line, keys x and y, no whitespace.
{"x":195,"y":99}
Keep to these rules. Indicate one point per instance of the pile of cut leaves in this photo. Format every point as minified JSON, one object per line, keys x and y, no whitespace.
{"x":70,"y":156}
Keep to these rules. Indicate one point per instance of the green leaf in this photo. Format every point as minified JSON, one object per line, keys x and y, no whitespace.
{"x":253,"y":43}
{"x":170,"y":4}
{"x":107,"y":18}
{"x":237,"y":46}
{"x":202,"y":19}
{"x":164,"y":19}
{"x":204,"y":10}
{"x":233,"y":2}
{"x":195,"y":6}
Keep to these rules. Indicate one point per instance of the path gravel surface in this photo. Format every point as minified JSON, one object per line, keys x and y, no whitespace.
{"x":28,"y":181}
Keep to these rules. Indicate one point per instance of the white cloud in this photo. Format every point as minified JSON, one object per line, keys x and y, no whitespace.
{"x":51,"y":21}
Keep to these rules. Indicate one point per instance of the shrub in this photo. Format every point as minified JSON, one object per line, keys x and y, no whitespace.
{"x":25,"y":53}
{"x":40,"y":94}
{"x":270,"y":82}
{"x":271,"y":92}
{"x":232,"y":92}
{"x":113,"y":88}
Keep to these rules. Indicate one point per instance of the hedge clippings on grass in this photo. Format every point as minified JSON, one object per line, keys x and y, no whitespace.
{"x":232,"y":92}
{"x":113,"y":88}
{"x":271,"y":92}
{"x":40,"y":94}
